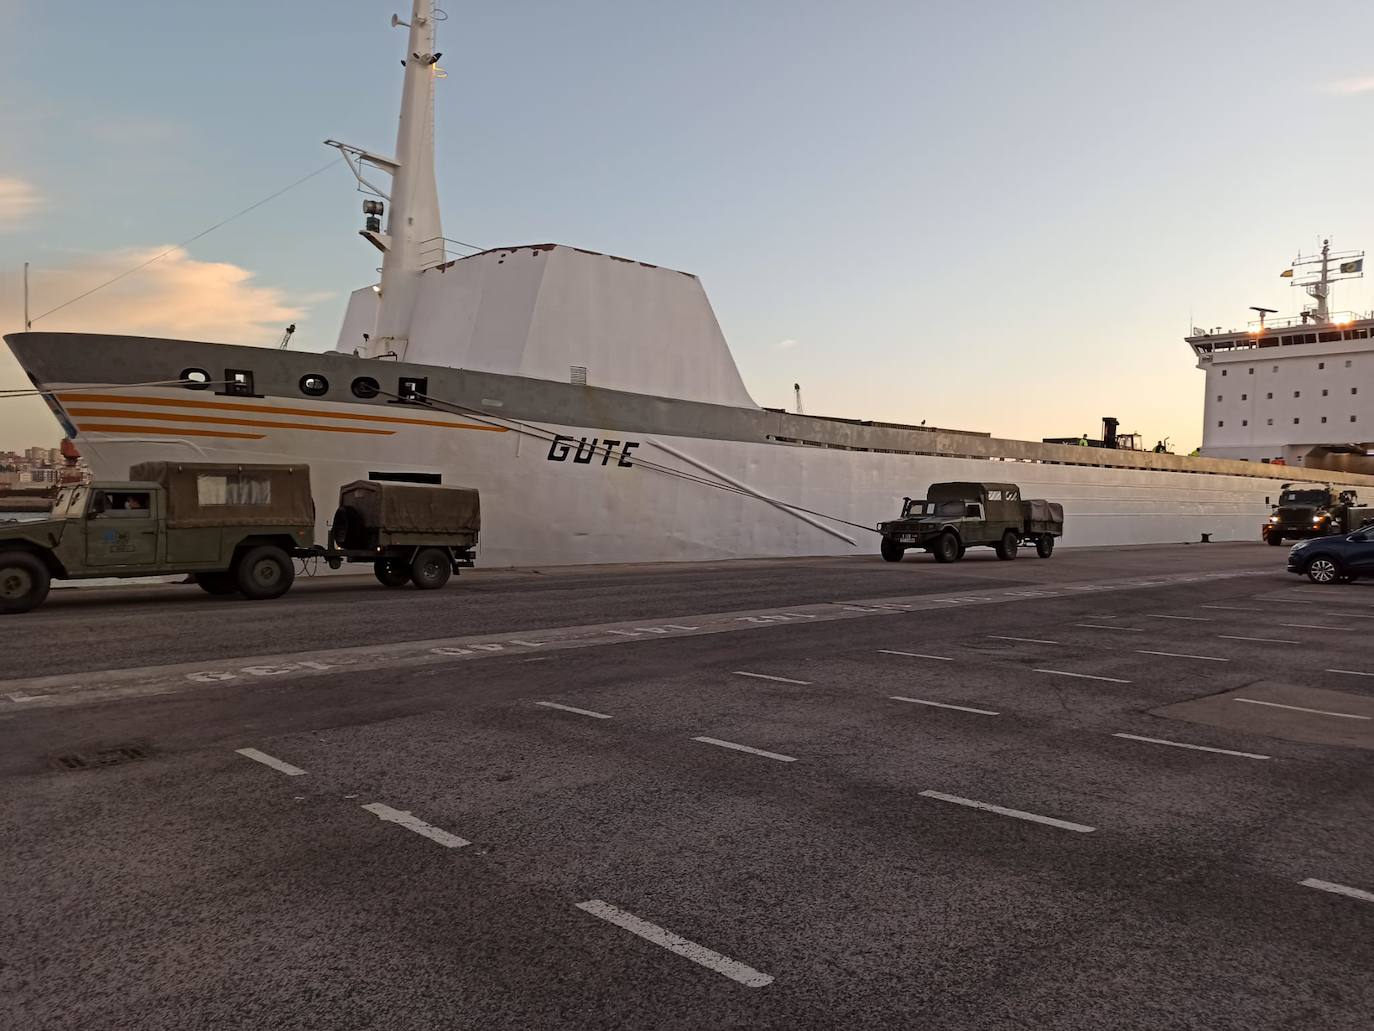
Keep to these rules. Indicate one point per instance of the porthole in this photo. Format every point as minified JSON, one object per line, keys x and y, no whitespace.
{"x":366,"y":387}
{"x":314,"y":384}
{"x":195,"y":379}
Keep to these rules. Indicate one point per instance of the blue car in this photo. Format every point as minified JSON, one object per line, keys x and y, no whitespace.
{"x":1336,"y":559}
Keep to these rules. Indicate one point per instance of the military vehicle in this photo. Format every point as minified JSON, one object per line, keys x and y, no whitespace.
{"x":1313,"y":510}
{"x":235,"y":529}
{"x":957,"y":516}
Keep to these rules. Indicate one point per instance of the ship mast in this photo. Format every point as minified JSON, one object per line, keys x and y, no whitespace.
{"x":413,"y":239}
{"x":1318,"y":276}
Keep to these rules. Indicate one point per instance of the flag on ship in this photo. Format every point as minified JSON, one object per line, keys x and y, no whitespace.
{"x":1286,"y":274}
{"x":1353,"y":266}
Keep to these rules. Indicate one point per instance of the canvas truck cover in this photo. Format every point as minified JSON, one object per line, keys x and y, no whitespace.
{"x":201,"y":494}
{"x":414,"y":507}
{"x":1042,"y":512}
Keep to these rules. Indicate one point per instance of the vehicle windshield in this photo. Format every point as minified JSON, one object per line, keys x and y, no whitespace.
{"x":1303,"y":497}
{"x":948,"y":509}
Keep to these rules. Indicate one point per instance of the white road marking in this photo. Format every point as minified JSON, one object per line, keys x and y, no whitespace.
{"x":1316,"y":626}
{"x":21,"y":696}
{"x":765,"y":676}
{"x":571,"y":708}
{"x":267,"y":760}
{"x":675,"y":943}
{"x":1104,"y":626}
{"x":411,"y":823}
{"x":915,"y":655}
{"x":1232,"y":608}
{"x":1184,"y":655}
{"x":1351,"y":672}
{"x":1081,"y":676}
{"x":1338,"y":889}
{"x":1002,"y":811}
{"x":1199,"y":748}
{"x":1264,"y":640}
{"x":943,"y":705}
{"x":745,"y":748}
{"x":1299,"y":708}
{"x":1023,"y":640}
{"x":1191,"y":619}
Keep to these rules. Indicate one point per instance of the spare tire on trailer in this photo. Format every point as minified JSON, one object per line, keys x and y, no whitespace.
{"x":349,"y":529}
{"x":264,"y":572}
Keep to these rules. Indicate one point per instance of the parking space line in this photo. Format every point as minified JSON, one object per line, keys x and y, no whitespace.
{"x":1262,"y":640}
{"x":267,"y":760}
{"x":1299,"y":708}
{"x":412,"y":823}
{"x":1104,"y":626}
{"x":745,"y":748}
{"x":1338,"y":889}
{"x":765,"y":676}
{"x":1351,"y":672}
{"x":1184,"y":655}
{"x":1316,"y":626}
{"x":1196,"y":748}
{"x":1023,"y":640}
{"x":1191,"y":619}
{"x":571,"y":708}
{"x":942,"y":705}
{"x":675,"y":943}
{"x":915,"y":655}
{"x":1019,"y":814}
{"x":1081,"y":676}
{"x":1232,"y":608}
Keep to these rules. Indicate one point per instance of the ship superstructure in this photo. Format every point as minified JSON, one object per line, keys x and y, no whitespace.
{"x":1295,"y":391}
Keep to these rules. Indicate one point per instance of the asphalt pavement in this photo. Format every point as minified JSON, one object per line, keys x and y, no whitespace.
{"x":1121,"y":788}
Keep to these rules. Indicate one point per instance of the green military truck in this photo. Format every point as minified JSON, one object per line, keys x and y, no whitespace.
{"x":954,"y":517}
{"x":1313,"y":510}
{"x":235,"y":529}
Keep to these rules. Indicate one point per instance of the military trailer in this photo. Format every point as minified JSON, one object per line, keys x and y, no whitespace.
{"x":954,"y":517}
{"x":235,"y":529}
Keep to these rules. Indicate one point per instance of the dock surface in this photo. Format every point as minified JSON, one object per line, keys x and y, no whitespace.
{"x":1120,"y":788}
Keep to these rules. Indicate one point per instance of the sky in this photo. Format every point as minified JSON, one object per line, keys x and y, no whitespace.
{"x":1000,"y":216}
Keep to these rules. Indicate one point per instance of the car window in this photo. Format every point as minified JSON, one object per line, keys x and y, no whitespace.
{"x":121,"y":504}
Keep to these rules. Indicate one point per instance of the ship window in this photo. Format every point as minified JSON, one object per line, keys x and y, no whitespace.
{"x":1325,"y":391}
{"x":1347,"y":363}
{"x":1354,"y":390}
{"x":1269,"y":422}
{"x":1352,"y":418}
{"x":1221,"y":423}
{"x":1252,"y":370}
{"x":1310,"y":338}
{"x":1245,"y":397}
{"x":1218,"y":397}
{"x":577,"y":375}
{"x":412,"y":388}
{"x":1245,"y":422}
{"x":1295,"y":420}
{"x":314,"y":384}
{"x":1223,"y":372}
{"x":1323,"y":418}
{"x":1269,"y":396}
{"x":1326,"y":338}
{"x":1276,"y":368}
{"x":366,"y":387}
{"x":1321,"y":365}
{"x":194,"y":379}
{"x":1297,"y":393}
{"x":238,"y":382}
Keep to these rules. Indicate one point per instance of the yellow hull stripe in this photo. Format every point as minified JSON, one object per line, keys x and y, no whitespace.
{"x":221,"y":420}
{"x":179,"y":431}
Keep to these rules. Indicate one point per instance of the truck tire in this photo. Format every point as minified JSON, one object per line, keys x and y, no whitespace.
{"x":24,"y":582}
{"x":1323,"y":569}
{"x":959,"y":555}
{"x":1006,"y":547}
{"x":1275,"y":539}
{"x":1044,"y":545}
{"x":946,"y":547}
{"x":218,"y":584}
{"x":391,"y":573}
{"x":264,"y":572}
{"x":430,"y":569}
{"x":891,"y":550}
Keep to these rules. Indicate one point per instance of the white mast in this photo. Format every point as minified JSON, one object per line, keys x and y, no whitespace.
{"x":1316,"y":281}
{"x":413,"y":239}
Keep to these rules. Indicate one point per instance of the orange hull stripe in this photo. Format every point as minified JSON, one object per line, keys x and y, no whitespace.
{"x":221,"y":420}
{"x":115,"y":427}
{"x":226,"y":406}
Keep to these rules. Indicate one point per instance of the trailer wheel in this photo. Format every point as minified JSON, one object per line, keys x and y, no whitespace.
{"x":1006,"y":547}
{"x":391,"y":573}
{"x":431,"y":569}
{"x":264,"y":572}
{"x":946,"y":547}
{"x":24,"y":581}
{"x":217,"y":583}
{"x":891,"y":550}
{"x":1044,"y":545}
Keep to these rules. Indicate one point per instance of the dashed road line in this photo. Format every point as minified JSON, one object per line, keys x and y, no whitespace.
{"x":765,"y":676}
{"x":1316,"y":626}
{"x":1232,"y":608}
{"x":675,"y":943}
{"x":1081,"y":676}
{"x":1022,"y":640}
{"x":1184,"y":655}
{"x":943,"y":705}
{"x":1019,"y":814}
{"x":1351,"y":672}
{"x":1190,"y":619}
{"x":1338,"y":889}
{"x":1104,"y":626}
{"x":267,"y":760}
{"x":745,"y":748}
{"x":1299,"y":708}
{"x":1196,"y":748}
{"x":412,"y":823}
{"x":1262,"y":640}
{"x":573,"y":708}
{"x":915,"y":655}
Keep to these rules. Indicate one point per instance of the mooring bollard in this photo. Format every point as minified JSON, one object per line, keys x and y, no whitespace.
{"x":1206,"y":538}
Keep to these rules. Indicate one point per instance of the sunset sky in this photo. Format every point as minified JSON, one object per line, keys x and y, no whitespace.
{"x":996,"y":216}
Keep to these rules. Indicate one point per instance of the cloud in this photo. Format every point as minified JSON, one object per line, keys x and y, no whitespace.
{"x":1351,"y":86}
{"x":785,"y":345}
{"x":18,"y":199}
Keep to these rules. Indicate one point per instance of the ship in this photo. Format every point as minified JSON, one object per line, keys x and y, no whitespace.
{"x":593,"y":400}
